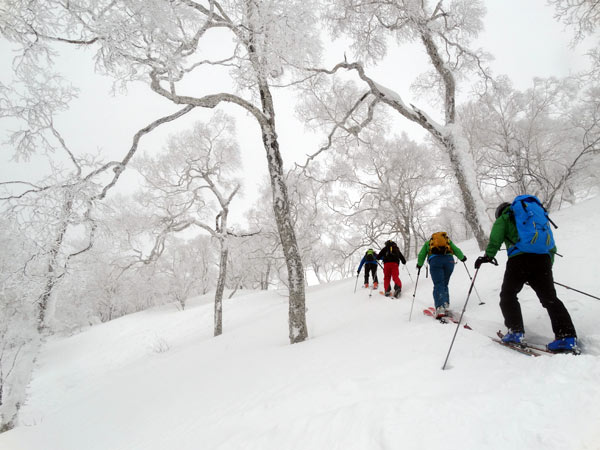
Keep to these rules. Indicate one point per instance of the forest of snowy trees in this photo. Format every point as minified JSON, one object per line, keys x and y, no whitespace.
{"x":78,"y":250}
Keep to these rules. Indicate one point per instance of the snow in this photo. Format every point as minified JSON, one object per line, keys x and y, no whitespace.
{"x":368,"y":378}
{"x":392,"y":95}
{"x":467,"y":166}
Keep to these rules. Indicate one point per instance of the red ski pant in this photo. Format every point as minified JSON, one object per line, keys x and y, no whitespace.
{"x":390,"y":270}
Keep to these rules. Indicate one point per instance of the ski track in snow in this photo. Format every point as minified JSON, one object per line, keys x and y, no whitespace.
{"x":367,"y":378}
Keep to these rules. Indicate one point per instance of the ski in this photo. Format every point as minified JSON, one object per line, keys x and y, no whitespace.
{"x":523,"y":349}
{"x":391,"y":295}
{"x":448,"y":318}
{"x":430,"y":312}
{"x":543,"y":348}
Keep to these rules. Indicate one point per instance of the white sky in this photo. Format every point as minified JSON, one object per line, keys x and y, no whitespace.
{"x":528,"y":42}
{"x":522,"y":35}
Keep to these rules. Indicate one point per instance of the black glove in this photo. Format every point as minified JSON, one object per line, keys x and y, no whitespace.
{"x":419,"y":267}
{"x":464,"y":259}
{"x":483,"y":259}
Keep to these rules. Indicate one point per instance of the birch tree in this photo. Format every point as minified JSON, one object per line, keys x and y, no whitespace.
{"x":57,"y":205}
{"x":166,"y":43}
{"x":263,"y":251}
{"x":582,"y":15}
{"x":188,"y":266}
{"x":444,"y":33}
{"x":192,"y":181}
{"x":538,"y":141}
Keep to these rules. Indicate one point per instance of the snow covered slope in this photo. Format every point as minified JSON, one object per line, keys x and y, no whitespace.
{"x":368,"y":378}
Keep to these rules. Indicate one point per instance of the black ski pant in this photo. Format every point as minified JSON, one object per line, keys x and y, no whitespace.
{"x":371,"y":268}
{"x":536,"y":270}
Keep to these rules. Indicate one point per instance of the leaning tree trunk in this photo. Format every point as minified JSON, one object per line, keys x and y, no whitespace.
{"x":281,"y":206}
{"x":465,"y":176}
{"x":447,"y":136}
{"x":463,"y":167}
{"x":45,"y":303}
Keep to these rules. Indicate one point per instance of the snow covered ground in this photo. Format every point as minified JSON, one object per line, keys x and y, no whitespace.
{"x":368,"y":378}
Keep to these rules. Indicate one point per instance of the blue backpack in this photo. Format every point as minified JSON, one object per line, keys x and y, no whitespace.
{"x":533,"y":226}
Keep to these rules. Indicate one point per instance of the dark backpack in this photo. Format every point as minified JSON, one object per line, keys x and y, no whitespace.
{"x":392,"y":249}
{"x":370,"y":255}
{"x":533,"y":226}
{"x":439,"y":244}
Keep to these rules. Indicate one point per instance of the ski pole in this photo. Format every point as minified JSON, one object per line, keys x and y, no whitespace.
{"x":480,"y":302}
{"x":408,"y":272}
{"x":414,"y":293}
{"x":460,"y":318}
{"x":576,"y":290}
{"x":356,"y":284}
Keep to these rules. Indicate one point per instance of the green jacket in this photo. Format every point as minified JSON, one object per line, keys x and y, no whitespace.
{"x":425,"y":252}
{"x":504,"y":231}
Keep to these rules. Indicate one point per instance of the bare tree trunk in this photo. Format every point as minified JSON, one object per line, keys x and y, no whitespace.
{"x":467,"y":192}
{"x":52,"y":276}
{"x":298,"y":331}
{"x":281,"y":206}
{"x":462,"y":167}
{"x":14,"y":397}
{"x":265,"y":283}
{"x":220,"y":288}
{"x":449,"y":137}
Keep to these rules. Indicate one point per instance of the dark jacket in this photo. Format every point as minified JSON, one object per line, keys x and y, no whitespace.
{"x":391,"y":253}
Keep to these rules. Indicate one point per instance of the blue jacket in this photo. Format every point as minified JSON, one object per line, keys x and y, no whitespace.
{"x":364,"y":261}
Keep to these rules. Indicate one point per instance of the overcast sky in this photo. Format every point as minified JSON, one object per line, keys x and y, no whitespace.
{"x":528,"y":42}
{"x":521,"y":34}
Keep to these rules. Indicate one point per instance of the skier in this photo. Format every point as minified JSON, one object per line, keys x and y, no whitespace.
{"x":439,"y":251}
{"x":370,"y":262}
{"x":391,"y":256}
{"x":528,"y":265}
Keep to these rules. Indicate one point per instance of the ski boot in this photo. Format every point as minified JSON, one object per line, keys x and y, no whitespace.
{"x":440,"y":312}
{"x":566,"y":344}
{"x":514,"y":337}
